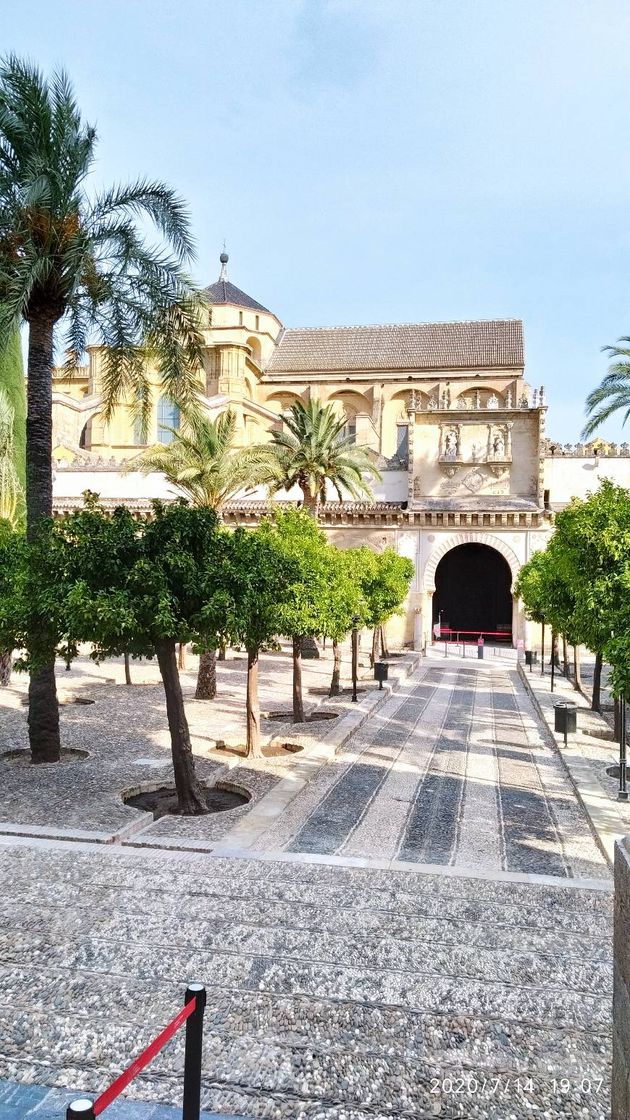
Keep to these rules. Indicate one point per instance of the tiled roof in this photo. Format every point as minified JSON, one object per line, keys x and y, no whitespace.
{"x":225,"y":292}
{"x":484,"y":344}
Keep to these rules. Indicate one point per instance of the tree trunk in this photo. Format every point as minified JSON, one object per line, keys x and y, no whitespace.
{"x":207,"y":676}
{"x":335,"y":685}
{"x":542,"y":650}
{"x":222,"y":648}
{"x":597,"y":684}
{"x":5,"y":667}
{"x":43,"y":710}
{"x":310,"y":502}
{"x":190,"y":795}
{"x":374,"y":653}
{"x":181,"y":656}
{"x":254,"y":748}
{"x":127,"y":668}
{"x":565,"y":656}
{"x":384,"y":649}
{"x":617,"y":718}
{"x":298,"y":699}
{"x":577,"y":671}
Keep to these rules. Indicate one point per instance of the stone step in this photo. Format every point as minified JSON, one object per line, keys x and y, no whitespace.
{"x":220,"y":916}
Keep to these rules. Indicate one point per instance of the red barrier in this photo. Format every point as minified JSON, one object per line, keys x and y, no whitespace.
{"x":143,"y":1059}
{"x":191,"y":1014}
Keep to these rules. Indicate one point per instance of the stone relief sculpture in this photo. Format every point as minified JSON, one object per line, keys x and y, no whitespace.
{"x":498,"y":446}
{"x":450,"y":445}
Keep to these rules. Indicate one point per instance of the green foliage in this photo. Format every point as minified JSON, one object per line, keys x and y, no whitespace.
{"x":613,"y":393}
{"x":33,"y":595}
{"x":303,"y":610}
{"x":134,"y":583}
{"x":311,"y":450}
{"x":581,"y":583}
{"x":13,"y":384}
{"x":202,"y":461}
{"x":255,"y":578}
{"x":11,"y":490}
{"x":384,"y":579}
{"x":66,"y":251}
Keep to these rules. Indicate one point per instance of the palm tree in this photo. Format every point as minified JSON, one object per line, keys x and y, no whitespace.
{"x":74,"y":256}
{"x":202,"y":462}
{"x":11,"y":496}
{"x":312,"y":450}
{"x":613,"y":393}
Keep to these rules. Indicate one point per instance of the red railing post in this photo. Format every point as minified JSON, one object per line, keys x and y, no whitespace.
{"x":81,"y":1109}
{"x":192,"y":1056}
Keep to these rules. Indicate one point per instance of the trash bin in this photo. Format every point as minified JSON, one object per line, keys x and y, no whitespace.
{"x":529,"y":657}
{"x":480,"y":645}
{"x":565,"y":718}
{"x":381,"y":672}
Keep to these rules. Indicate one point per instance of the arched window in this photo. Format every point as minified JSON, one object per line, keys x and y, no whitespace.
{"x":167,"y":417}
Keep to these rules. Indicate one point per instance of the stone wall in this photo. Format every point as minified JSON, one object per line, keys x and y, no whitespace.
{"x":621,"y":999}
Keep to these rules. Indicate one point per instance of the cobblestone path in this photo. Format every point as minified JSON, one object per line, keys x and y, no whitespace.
{"x":334,"y":993}
{"x":454,"y":770}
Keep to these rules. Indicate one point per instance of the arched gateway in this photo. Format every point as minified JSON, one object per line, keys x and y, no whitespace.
{"x":469,"y":580}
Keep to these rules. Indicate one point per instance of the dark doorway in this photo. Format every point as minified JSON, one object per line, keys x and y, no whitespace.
{"x":472,"y":590}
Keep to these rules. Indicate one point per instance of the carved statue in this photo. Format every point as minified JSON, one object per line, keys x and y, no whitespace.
{"x":509,"y":398}
{"x":498,"y":446}
{"x":477,"y":399}
{"x":493,"y":401}
{"x":450,"y":445}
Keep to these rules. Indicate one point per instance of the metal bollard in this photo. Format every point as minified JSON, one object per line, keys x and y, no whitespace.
{"x":622,"y":794}
{"x":81,"y":1109}
{"x":192,"y":1056}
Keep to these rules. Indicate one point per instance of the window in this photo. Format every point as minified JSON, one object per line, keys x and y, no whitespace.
{"x":258,"y":322}
{"x":240,"y":318}
{"x":350,"y":429}
{"x":402,"y":441}
{"x":167,"y":417}
{"x":138,"y":438}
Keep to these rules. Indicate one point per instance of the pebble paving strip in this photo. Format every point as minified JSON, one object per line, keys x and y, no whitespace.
{"x":332,"y":992}
{"x":530,"y":835}
{"x":340,"y":811}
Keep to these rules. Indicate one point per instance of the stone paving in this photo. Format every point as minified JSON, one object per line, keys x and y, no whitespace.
{"x":125,"y":735}
{"x":333,"y":993}
{"x":454,"y":770}
{"x":388,"y":945}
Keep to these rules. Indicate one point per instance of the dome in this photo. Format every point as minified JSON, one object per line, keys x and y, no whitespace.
{"x":225,"y":292}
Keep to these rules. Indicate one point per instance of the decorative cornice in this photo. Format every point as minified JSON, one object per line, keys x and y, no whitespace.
{"x":338,"y":515}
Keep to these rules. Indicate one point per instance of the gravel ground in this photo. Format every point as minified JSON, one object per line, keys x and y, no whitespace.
{"x":124,"y":733}
{"x":333,"y":992}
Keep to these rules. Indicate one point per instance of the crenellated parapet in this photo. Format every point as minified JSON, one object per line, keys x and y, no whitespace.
{"x":596,"y":449}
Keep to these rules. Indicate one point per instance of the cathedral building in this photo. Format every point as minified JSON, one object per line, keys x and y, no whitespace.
{"x":470,"y":480}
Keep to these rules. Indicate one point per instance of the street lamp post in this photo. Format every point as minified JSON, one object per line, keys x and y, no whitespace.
{"x":355,"y":657}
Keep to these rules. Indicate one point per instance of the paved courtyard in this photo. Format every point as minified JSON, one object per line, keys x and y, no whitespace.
{"x":417,"y":924}
{"x":456,"y":769}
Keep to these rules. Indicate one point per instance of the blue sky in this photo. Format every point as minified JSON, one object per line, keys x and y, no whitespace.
{"x":380,"y":160}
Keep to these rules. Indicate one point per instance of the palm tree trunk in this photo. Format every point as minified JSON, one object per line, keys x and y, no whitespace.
{"x":43,"y":710}
{"x":5,"y":667}
{"x":310,"y":502}
{"x":298,"y":699}
{"x":335,"y":687}
{"x":127,"y":668}
{"x":190,"y":795}
{"x":254,"y":749}
{"x":597,"y":684}
{"x":577,"y":672}
{"x":207,"y":676}
{"x":374,"y":653}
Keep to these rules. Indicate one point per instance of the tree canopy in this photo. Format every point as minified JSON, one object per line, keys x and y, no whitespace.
{"x":312,"y":449}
